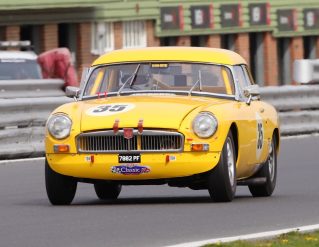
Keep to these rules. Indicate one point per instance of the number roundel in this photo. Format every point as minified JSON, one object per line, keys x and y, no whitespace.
{"x":109,"y":109}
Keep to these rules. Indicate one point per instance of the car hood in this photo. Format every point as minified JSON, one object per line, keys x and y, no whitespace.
{"x":163,"y":112}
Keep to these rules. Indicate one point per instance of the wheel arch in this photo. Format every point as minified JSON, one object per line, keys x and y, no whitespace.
{"x":277,"y":136}
{"x":234,"y":131}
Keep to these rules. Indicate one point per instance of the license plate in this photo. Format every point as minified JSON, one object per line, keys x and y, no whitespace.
{"x":129,"y":158}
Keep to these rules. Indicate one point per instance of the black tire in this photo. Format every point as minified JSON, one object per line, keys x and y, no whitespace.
{"x":222,"y":179}
{"x":60,"y":189}
{"x":107,"y":191}
{"x":269,"y":171}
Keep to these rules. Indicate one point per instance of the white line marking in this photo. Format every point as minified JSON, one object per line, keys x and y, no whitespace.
{"x":6,"y":162}
{"x":253,"y":236}
{"x":299,"y":136}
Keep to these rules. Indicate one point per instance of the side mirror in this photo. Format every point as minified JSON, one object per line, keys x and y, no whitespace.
{"x":250,"y":92}
{"x":72,"y":92}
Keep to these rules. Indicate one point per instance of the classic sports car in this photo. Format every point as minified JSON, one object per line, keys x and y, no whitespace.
{"x":182,"y":116}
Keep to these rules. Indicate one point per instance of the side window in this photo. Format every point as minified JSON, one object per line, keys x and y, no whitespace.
{"x":229,"y":82}
{"x":248,"y":75}
{"x":242,"y":79}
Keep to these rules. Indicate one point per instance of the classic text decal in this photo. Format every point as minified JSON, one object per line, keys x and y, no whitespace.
{"x":130,"y":169}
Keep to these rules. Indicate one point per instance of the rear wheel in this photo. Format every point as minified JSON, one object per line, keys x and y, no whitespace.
{"x":222,"y":179}
{"x":107,"y":191}
{"x":60,"y":189}
{"x":269,"y":171}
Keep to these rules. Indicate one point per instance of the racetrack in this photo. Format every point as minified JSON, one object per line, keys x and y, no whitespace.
{"x":156,"y":215}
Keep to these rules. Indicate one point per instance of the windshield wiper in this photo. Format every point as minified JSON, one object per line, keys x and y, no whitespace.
{"x":130,"y":79}
{"x":198,"y":81}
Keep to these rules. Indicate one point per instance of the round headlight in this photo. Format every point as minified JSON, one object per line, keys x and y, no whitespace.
{"x":59,"y":126}
{"x":205,"y":125}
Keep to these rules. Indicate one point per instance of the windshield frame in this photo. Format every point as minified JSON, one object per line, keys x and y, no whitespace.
{"x":162,"y":92}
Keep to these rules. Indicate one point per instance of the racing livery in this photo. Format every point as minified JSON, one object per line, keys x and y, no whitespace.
{"x":182,"y":116}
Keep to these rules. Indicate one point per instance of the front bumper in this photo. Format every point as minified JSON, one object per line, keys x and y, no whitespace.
{"x":157,"y":165}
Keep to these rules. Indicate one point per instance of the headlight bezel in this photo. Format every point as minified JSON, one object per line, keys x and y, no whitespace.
{"x":53,"y":120}
{"x":204,"y":134}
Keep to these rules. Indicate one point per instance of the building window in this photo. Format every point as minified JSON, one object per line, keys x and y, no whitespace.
{"x":256,"y":53}
{"x":284,"y":60}
{"x":199,"y":40}
{"x":102,"y":37}
{"x":134,"y":34}
{"x":168,"y":41}
{"x":32,"y":33}
{"x":309,"y":46}
{"x":228,"y":41}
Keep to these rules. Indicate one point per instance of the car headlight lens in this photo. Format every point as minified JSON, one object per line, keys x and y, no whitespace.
{"x":59,"y":126}
{"x":205,"y":125}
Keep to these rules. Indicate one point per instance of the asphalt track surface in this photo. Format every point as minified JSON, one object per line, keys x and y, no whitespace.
{"x":156,"y":215}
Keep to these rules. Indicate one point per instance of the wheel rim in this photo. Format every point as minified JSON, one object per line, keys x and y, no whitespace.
{"x":230,"y":162}
{"x":271,"y":162}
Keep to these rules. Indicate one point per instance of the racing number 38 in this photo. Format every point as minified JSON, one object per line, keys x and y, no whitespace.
{"x":260,"y":135}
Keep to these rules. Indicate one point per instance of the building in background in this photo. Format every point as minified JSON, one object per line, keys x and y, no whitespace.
{"x":270,"y":35}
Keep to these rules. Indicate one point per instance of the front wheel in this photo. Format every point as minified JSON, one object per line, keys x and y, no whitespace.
{"x":222,"y":179}
{"x":60,"y":189}
{"x":107,"y":191}
{"x":269,"y":171}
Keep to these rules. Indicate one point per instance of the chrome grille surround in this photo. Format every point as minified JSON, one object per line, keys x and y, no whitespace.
{"x":149,"y":141}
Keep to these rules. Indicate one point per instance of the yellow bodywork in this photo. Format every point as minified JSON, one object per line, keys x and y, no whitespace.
{"x":167,"y":112}
{"x":185,"y":54}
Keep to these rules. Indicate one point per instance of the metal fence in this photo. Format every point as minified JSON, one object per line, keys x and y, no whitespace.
{"x":26,"y":105}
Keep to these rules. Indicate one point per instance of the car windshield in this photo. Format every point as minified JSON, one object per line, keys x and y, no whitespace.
{"x":19,"y":69}
{"x":151,"y":77}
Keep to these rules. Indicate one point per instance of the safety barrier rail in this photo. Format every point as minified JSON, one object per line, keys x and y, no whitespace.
{"x":31,"y":88}
{"x":22,"y":120}
{"x":298,"y":107}
{"x":24,"y":108}
{"x":22,"y":124}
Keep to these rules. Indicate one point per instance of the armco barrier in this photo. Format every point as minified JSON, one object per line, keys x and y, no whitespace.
{"x":24,"y":108}
{"x":31,"y":88}
{"x":28,"y":111}
{"x":22,"y":120}
{"x":298,"y":107}
{"x":22,"y":124}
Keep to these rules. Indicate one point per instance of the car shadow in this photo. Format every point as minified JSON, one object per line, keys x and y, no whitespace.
{"x":154,"y":200}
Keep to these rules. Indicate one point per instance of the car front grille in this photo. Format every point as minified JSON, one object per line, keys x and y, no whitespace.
{"x":148,"y":141}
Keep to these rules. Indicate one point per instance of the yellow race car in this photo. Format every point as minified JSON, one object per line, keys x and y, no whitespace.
{"x":182,"y":116}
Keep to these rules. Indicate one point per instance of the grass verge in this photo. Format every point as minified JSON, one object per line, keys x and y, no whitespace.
{"x":293,"y":239}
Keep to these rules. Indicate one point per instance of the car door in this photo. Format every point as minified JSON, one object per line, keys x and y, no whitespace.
{"x":251,"y":134}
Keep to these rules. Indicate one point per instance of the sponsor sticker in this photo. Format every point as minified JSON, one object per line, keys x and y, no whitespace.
{"x":109,"y":109}
{"x":130,"y":169}
{"x":172,"y":158}
{"x":88,"y":158}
